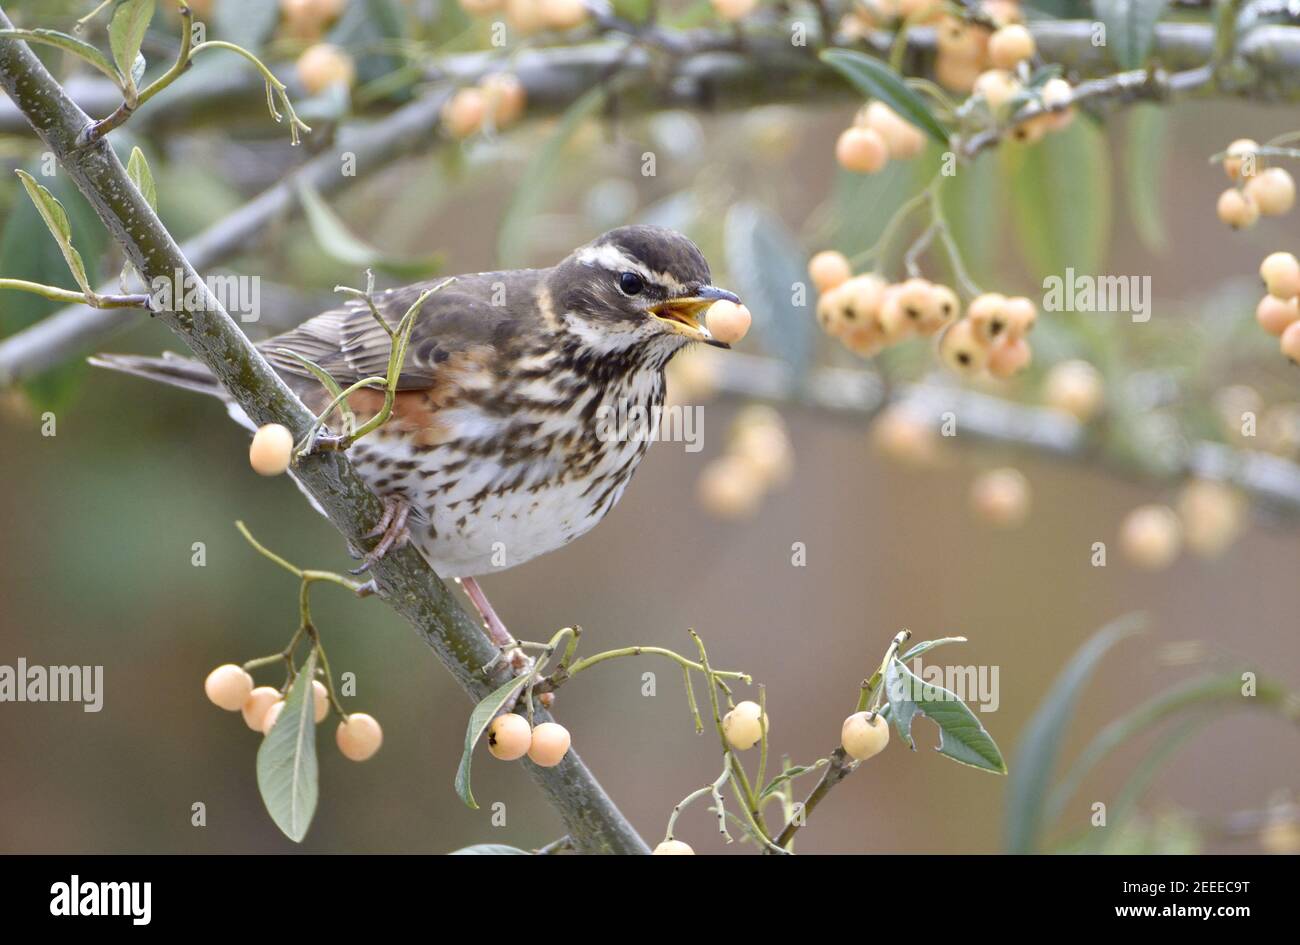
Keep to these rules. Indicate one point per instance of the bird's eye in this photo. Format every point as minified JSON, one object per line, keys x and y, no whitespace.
{"x":631,"y":283}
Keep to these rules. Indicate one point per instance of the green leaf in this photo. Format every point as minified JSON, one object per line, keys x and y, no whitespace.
{"x":56,"y":219}
{"x":973,"y":201}
{"x":789,"y":774}
{"x":137,"y":168}
{"x":920,"y":648}
{"x":333,"y":236}
{"x":1041,"y":743}
{"x":1144,"y":165}
{"x":962,"y":738}
{"x":1130,"y":28}
{"x":69,"y":44}
{"x":764,"y":266}
{"x":286,"y":761}
{"x":125,"y":34}
{"x":489,"y":849}
{"x":876,"y":80}
{"x":479,"y":720}
{"x":1060,"y":197}
{"x":247,"y":23}
{"x":538,"y":178}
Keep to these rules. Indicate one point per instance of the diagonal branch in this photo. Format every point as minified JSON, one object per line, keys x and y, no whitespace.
{"x":404,"y":578}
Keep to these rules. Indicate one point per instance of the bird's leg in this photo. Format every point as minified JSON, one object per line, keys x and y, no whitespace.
{"x":391,"y":531}
{"x":496,"y":630}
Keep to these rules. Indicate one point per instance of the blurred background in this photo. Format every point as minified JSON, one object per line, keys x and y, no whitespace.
{"x":100,"y":519}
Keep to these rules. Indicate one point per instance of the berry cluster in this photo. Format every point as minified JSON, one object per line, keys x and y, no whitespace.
{"x":1268,"y":192}
{"x":758,"y":457}
{"x":531,"y":16}
{"x":1209,"y":517}
{"x":876,"y":136}
{"x":1278,"y":312}
{"x":230,"y":687}
{"x":498,"y":99}
{"x":307,"y":19}
{"x":510,"y":737}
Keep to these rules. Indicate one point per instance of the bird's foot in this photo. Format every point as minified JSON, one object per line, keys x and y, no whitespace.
{"x":391,"y":531}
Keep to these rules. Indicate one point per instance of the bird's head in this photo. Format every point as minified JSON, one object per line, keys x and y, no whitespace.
{"x":636,"y":284}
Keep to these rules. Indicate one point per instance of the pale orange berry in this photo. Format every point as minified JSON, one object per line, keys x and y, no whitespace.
{"x":851,"y":305}
{"x":306,"y":19}
{"x":918,"y":12}
{"x":549,"y":745}
{"x":228,"y":686}
{"x":1240,"y":152}
{"x":829,"y":269}
{"x":1055,"y":93}
{"x":1021,"y":315}
{"x":257,"y":704}
{"x":1275,"y":315}
{"x":902,"y":436}
{"x":961,"y":41}
{"x":987,"y":314}
{"x":271,"y":450}
{"x":481,"y":7}
{"x":744,"y":725}
{"x":504,"y":98}
{"x":996,"y":87}
{"x":320,"y":700}
{"x":730,"y":487}
{"x":1074,"y":387}
{"x":359,"y":736}
{"x":892,"y":319}
{"x":509,"y":736}
{"x":1237,"y":209}
{"x":902,"y":138}
{"x":1290,"y":342}
{"x":464,"y":112}
{"x":564,"y":14}
{"x":766,"y":447}
{"x":1213,"y":515}
{"x":525,"y":16}
{"x":271,"y":716}
{"x":727,"y":321}
{"x":1009,"y":357}
{"x":915,"y":299}
{"x":864,"y":735}
{"x":1003,"y":12}
{"x":673,"y":848}
{"x":1151,"y":536}
{"x":1280,"y":836}
{"x":732,"y":10}
{"x":1281,"y":275}
{"x":956,"y":73}
{"x":861,"y":150}
{"x":324,"y":65}
{"x":1000,"y":497}
{"x":962,"y":349}
{"x":943,"y":308}
{"x":1011,"y":45}
{"x":1273,"y":191}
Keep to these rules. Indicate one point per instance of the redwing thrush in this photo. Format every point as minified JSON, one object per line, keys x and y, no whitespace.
{"x":493,"y":451}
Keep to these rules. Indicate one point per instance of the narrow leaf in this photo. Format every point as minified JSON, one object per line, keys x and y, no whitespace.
{"x":286,"y":761}
{"x":789,"y":774}
{"x":1144,"y":173}
{"x":1041,"y":743}
{"x":1130,"y":28}
{"x":56,"y":219}
{"x":125,"y":34}
{"x":876,"y":80}
{"x":137,"y":168}
{"x":479,"y":720}
{"x":69,"y":44}
{"x":334,"y":237}
{"x":962,"y":738}
{"x":929,"y":645}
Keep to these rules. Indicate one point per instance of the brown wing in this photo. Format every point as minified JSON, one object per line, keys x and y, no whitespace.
{"x":456,"y":320}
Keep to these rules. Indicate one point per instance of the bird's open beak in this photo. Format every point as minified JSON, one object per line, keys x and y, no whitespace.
{"x":685,"y":315}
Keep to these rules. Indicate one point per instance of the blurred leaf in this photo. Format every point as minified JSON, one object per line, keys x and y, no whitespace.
{"x":1060,"y":195}
{"x":247,"y":23}
{"x":68,"y":43}
{"x":286,"y":761}
{"x":1041,"y":743}
{"x":479,"y":720}
{"x":365,"y":30}
{"x":962,"y":738}
{"x":1144,"y":166}
{"x":1130,"y":28}
{"x":137,"y":168}
{"x":789,"y":774}
{"x":333,"y":236}
{"x":876,"y":80}
{"x":489,"y":849}
{"x":861,"y":205}
{"x":972,"y":203}
{"x":537,"y":180}
{"x":125,"y":34}
{"x":765,"y":265}
{"x":56,"y":220}
{"x":928,"y":645}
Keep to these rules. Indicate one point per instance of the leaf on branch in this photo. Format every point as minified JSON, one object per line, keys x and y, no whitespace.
{"x":67,"y":43}
{"x":56,"y":219}
{"x":489,"y":849}
{"x":764,"y":265}
{"x":1144,"y":165}
{"x":286,"y":761}
{"x":962,"y":738}
{"x":920,"y":648}
{"x":479,"y":720}
{"x":333,"y":236}
{"x":789,"y":774}
{"x":1130,"y":28}
{"x":137,"y":168}
{"x":125,"y":34}
{"x":876,"y":80}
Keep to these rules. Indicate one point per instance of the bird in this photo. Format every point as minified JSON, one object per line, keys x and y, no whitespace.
{"x":495,"y":452}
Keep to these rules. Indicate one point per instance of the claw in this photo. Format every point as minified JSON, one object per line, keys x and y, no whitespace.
{"x":392,"y":528}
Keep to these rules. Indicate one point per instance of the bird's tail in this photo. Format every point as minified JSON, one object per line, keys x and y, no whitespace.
{"x":169,"y":369}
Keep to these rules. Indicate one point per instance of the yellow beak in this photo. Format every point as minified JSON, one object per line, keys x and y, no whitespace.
{"x":685,"y":316}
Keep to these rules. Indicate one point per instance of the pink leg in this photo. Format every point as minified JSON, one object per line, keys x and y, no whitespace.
{"x":496,"y":629}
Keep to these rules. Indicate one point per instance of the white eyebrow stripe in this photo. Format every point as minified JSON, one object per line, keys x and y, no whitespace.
{"x":609,"y":256}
